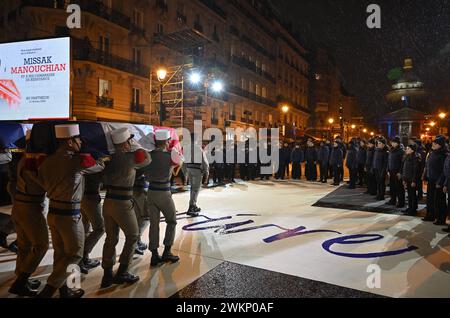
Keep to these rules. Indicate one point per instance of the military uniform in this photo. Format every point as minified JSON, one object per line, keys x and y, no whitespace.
{"x":160,"y":199}
{"x":118,"y":211}
{"x":62,"y":176}
{"x":397,"y":191}
{"x":380,"y":163}
{"x":31,"y":226}
{"x":140,"y":192}
{"x":91,"y":210}
{"x":196,"y":171}
{"x":371,"y":179}
{"x":434,"y":171}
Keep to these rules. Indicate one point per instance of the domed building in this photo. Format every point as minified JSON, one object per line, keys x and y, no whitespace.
{"x":408,"y":91}
{"x":407,"y":101}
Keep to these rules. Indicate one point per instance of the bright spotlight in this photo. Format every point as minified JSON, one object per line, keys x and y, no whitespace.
{"x":217,"y":87}
{"x":195,"y":78}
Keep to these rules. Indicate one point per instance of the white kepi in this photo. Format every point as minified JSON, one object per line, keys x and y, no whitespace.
{"x":67,"y":131}
{"x":121,"y":135}
{"x":162,"y":135}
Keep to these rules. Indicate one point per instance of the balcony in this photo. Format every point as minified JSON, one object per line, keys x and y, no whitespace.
{"x":105,"y":102}
{"x":137,"y":108}
{"x":92,"y":6}
{"x":243,"y":93}
{"x":83,"y":51}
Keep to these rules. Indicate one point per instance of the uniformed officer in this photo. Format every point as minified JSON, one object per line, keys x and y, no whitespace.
{"x":196,"y":171}
{"x":140,"y":192}
{"x":336,"y":161}
{"x":368,"y":168}
{"x":118,"y":210}
{"x":380,"y":164}
{"x":410,"y":177}
{"x":447,"y":186}
{"x":311,"y":161}
{"x":395,"y":160}
{"x":434,"y":172}
{"x":91,"y":210}
{"x":62,"y":176}
{"x":352,"y":164}
{"x":160,"y":199}
{"x":31,"y":226}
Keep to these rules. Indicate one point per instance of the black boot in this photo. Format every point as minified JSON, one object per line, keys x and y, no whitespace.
{"x":13,"y":247}
{"x":142,"y":246}
{"x":192,"y":212}
{"x":156,"y":259}
{"x":34,"y":283}
{"x":90,"y":263}
{"x":108,"y":278}
{"x":47,"y":292}
{"x":21,"y":287}
{"x":3,"y":240}
{"x":197,"y":209}
{"x":447,"y":230}
{"x":123,"y":277}
{"x":66,"y":292}
{"x":168,"y":256}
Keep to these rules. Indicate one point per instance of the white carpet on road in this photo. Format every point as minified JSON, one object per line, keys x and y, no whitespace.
{"x":240,"y":224}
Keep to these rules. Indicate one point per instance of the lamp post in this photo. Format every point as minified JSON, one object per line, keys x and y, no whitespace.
{"x":161,"y":74}
{"x":331,"y":122}
{"x":442,"y":117}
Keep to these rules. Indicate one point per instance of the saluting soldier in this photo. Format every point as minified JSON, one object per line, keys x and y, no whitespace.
{"x":196,"y":169}
{"x":62,"y":176}
{"x":160,"y":199}
{"x":31,"y":226}
{"x":118,"y":210}
{"x":91,"y":210}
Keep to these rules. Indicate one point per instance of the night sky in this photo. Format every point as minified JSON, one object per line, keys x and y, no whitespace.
{"x":416,"y":28}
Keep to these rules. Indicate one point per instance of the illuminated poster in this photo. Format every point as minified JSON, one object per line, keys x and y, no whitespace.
{"x":35,"y":79}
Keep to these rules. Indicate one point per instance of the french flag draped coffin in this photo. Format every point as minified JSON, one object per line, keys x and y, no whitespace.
{"x":12,"y":135}
{"x":96,"y":136}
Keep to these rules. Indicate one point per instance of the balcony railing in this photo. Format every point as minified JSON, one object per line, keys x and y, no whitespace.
{"x":137,"y":108}
{"x":95,"y":7}
{"x":105,"y":102}
{"x":243,"y":93}
{"x":83,"y":51}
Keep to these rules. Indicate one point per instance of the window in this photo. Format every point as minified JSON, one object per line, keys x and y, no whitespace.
{"x":264,"y":92}
{"x":138,"y":18}
{"x":251,"y":87}
{"x":243,"y":84}
{"x":104,"y":88}
{"x":103,"y":44}
{"x":214,"y":113}
{"x":136,"y":96}
{"x":159,"y":28}
{"x":270,"y":118}
{"x":137,"y":56}
{"x":258,"y":90}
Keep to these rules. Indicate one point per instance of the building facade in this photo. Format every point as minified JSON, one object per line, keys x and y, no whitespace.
{"x":121,"y":45}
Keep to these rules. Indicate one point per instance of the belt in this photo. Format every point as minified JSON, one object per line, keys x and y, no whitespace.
{"x":65,"y":205}
{"x":109,"y":187}
{"x":29,"y":198}
{"x":64,"y":212}
{"x":118,"y":197}
{"x":194,"y":166}
{"x":159,"y":189}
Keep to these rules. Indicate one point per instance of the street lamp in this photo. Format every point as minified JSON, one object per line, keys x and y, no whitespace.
{"x":353,"y":126}
{"x":285,"y":109}
{"x":195,"y":78}
{"x":161,"y":74}
{"x":372,"y":134}
{"x":442,"y":116}
{"x":365,"y":130}
{"x":432,"y":124}
{"x":217,"y":87}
